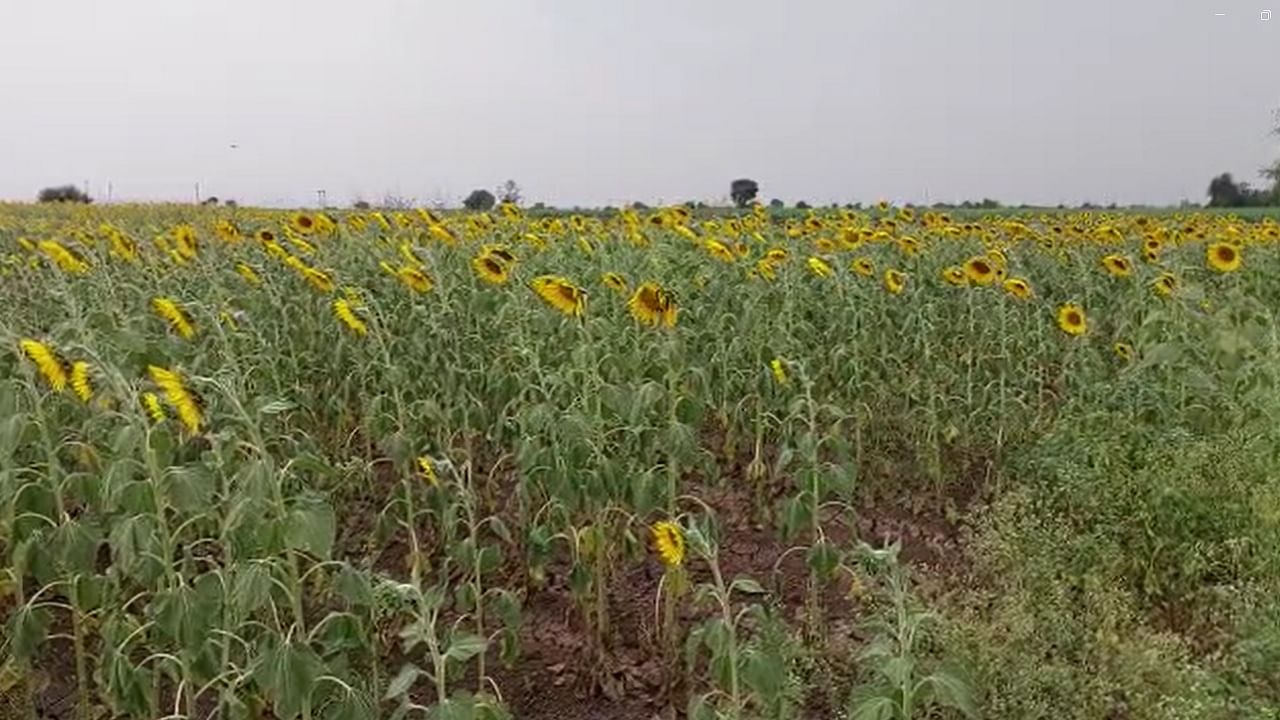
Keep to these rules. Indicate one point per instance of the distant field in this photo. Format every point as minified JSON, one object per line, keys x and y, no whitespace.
{"x":876,"y":464}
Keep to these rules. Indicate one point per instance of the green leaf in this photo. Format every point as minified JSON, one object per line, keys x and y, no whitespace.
{"x":464,"y":647}
{"x":292,"y":670}
{"x":403,"y":680}
{"x":189,"y":489}
{"x":28,"y":628}
{"x":354,"y":586}
{"x":746,"y":585}
{"x":251,"y":588}
{"x":311,"y":527}
{"x":953,"y":691}
{"x":823,"y":558}
{"x":275,"y":407}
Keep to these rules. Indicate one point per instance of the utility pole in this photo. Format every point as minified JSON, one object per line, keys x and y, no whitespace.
{"x":197,"y":193}
{"x":320,"y":198}
{"x":109,"y":191}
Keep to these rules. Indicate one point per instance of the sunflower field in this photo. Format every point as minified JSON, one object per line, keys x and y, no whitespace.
{"x":873,"y":464}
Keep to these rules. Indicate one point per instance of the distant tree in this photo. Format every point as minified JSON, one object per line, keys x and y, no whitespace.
{"x":539,"y":206}
{"x":509,"y":192}
{"x":989,"y":204}
{"x":776,"y":204}
{"x":637,"y":205}
{"x":743,"y":191}
{"x":360,"y":205}
{"x":211,"y":200}
{"x":1224,"y":192}
{"x":64,"y":193}
{"x":231,"y":204}
{"x":397,"y":202}
{"x":479,"y":201}
{"x":802,"y":205}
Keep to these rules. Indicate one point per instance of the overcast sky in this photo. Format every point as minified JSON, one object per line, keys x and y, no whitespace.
{"x":605,"y":101}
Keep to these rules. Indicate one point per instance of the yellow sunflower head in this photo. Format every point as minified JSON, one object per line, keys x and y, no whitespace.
{"x":819,"y":267}
{"x":955,"y":275}
{"x":980,"y":270}
{"x":614,"y":282}
{"x":1071,"y":319}
{"x":668,"y":540}
{"x":1124,"y":351}
{"x":1117,"y":266}
{"x":894,"y":281}
{"x":490,"y":268}
{"x":863,"y":266}
{"x":1018,"y":288}
{"x":560,"y":294}
{"x":1223,"y":257}
{"x":1165,"y":285}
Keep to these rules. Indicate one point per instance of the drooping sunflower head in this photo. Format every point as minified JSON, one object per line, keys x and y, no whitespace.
{"x":80,"y":380}
{"x":1117,"y":266}
{"x":955,"y":275}
{"x":47,"y":362}
{"x":427,"y":469}
{"x":491,"y":268}
{"x":175,"y":316}
{"x":302,"y":223}
{"x":246,"y":271}
{"x":650,"y":304}
{"x":668,"y":540}
{"x":1124,"y":351}
{"x":1223,"y":257}
{"x":614,"y":282}
{"x":414,"y":279}
{"x":980,"y":270}
{"x":318,"y":279}
{"x":560,"y":294}
{"x":719,"y":251}
{"x":1071,"y":319}
{"x":344,"y":312}
{"x":265,"y":236}
{"x":894,"y":281}
{"x":1018,"y":287}
{"x":863,"y":266}
{"x":909,"y":246}
{"x":779,"y":370}
{"x":1165,"y":285}
{"x":819,"y":267}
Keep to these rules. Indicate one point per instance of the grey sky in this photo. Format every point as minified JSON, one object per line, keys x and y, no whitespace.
{"x":604,"y":101}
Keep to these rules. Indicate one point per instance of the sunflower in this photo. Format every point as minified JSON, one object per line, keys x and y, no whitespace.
{"x":894,"y":281}
{"x":414,"y":279}
{"x":980,"y":270}
{"x":123,"y":246}
{"x":1118,"y":266}
{"x":1166,"y":284}
{"x":345,"y":313}
{"x":776,"y":255}
{"x":318,"y":279}
{"x":247,"y":272}
{"x":650,"y":304}
{"x":227,"y":231}
{"x":954,"y":275}
{"x":764,"y":269}
{"x":80,"y":380}
{"x":490,"y":269}
{"x":614,"y":282}
{"x":151,"y":403}
{"x":718,"y":250}
{"x":178,"y":319}
{"x":47,"y":362}
{"x":302,"y":223}
{"x":66,"y":260}
{"x":909,"y":246}
{"x":265,"y":236}
{"x":819,"y":267}
{"x":668,"y":539}
{"x":779,"y":371}
{"x":863,"y":266}
{"x":427,"y":469}
{"x":1124,"y":351}
{"x":882,"y":205}
{"x":1071,"y":319}
{"x":1223,"y":257}
{"x":560,"y":294}
{"x":179,"y":397}
{"x":188,"y":243}
{"x":1018,"y":288}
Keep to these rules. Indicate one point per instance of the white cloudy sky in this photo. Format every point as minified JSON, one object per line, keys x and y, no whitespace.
{"x":604,"y":101}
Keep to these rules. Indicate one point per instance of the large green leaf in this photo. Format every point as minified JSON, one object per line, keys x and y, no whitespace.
{"x":311,"y":526}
